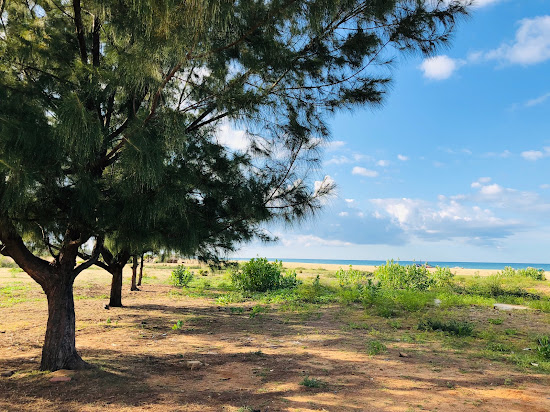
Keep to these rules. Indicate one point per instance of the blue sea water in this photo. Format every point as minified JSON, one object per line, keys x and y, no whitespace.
{"x":465,"y":265}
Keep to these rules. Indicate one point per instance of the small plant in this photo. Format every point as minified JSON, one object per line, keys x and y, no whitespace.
{"x":108,"y":321}
{"x":257,"y":311}
{"x":312,"y":382}
{"x":178,"y":325}
{"x":458,"y":328}
{"x":499,"y":347}
{"x":495,"y":321}
{"x":350,"y":277}
{"x":181,"y":276}
{"x":231,"y":297}
{"x":375,"y":347}
{"x":511,"y":332}
{"x":202,"y":272}
{"x":543,"y":347}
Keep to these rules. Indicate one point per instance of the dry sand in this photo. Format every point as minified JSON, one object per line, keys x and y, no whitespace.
{"x":369,"y":268}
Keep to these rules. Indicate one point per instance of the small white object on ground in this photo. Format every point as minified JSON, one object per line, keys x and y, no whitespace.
{"x":506,"y":306}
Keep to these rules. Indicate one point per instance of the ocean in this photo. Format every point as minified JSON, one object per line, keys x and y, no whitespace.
{"x":465,"y":265}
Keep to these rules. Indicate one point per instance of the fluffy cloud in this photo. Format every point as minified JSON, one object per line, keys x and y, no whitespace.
{"x":361,"y":171}
{"x":440,"y":67}
{"x":233,"y":139}
{"x":531,"y":45}
{"x":534,"y":155}
{"x":335,"y":145}
{"x":403,"y":158}
{"x":446,"y":219}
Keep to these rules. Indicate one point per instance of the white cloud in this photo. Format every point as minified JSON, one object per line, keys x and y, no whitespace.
{"x":335,"y":145}
{"x":349,"y":200}
{"x":532,"y":155}
{"x":491,"y":190}
{"x":446,"y":219}
{"x":361,"y":171}
{"x":483,"y":3}
{"x":505,"y":154}
{"x":383,"y":163}
{"x":343,"y":214}
{"x":310,"y":241}
{"x":537,"y":101}
{"x":402,"y":157}
{"x":233,"y":139}
{"x":545,"y":186}
{"x":476,"y":3}
{"x":531,"y":45}
{"x":440,"y":67}
{"x":484,"y":179}
{"x":349,"y":158}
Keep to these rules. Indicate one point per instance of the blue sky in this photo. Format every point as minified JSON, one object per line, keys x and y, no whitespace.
{"x":455,"y":165}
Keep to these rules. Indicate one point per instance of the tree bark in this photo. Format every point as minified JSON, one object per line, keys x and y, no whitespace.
{"x":116,"y":286}
{"x":140,"y":270}
{"x":134,"y":273}
{"x":59,"y":351}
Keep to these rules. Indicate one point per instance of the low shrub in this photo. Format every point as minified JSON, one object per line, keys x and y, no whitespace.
{"x":455,"y":327}
{"x":350,"y":277}
{"x":543,"y":347}
{"x":259,"y":275}
{"x":392,"y":275}
{"x":536,"y":274}
{"x":181,"y":276}
{"x":375,"y":347}
{"x":312,"y":382}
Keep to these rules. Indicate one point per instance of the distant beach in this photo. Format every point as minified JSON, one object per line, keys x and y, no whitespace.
{"x":466,"y":268}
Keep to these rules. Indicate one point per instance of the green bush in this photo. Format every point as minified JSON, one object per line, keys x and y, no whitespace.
{"x":259,"y":275}
{"x":181,"y":276}
{"x":458,"y":328}
{"x":543,"y":347}
{"x":350,"y":277}
{"x":536,"y":274}
{"x":442,"y":276}
{"x":392,"y":275}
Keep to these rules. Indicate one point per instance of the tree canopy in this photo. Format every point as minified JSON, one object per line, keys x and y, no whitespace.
{"x":110,"y":113}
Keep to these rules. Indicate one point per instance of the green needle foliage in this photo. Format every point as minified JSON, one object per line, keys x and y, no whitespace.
{"x":110,"y":112}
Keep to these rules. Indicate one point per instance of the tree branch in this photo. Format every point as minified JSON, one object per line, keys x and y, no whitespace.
{"x":80,"y":31}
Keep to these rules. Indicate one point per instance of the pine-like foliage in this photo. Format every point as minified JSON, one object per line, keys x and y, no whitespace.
{"x":110,"y":112}
{"x":109,"y":109}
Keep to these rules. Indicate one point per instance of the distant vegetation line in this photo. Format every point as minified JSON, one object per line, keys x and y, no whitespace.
{"x":465,"y":265}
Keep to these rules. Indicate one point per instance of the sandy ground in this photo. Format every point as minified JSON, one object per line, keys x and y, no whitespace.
{"x":251,"y":360}
{"x":368,"y":268}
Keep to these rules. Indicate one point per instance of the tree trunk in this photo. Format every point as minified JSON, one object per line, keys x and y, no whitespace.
{"x":140,"y":270}
{"x":59,"y":351}
{"x":134,"y":273}
{"x":116,"y":287}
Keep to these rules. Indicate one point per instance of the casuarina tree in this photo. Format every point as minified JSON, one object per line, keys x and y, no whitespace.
{"x":108,"y":107}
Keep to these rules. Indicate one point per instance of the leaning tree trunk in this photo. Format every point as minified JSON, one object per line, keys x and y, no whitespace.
{"x":116,"y":286}
{"x":59,"y":351}
{"x":134,"y":273}
{"x":140,"y":271}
